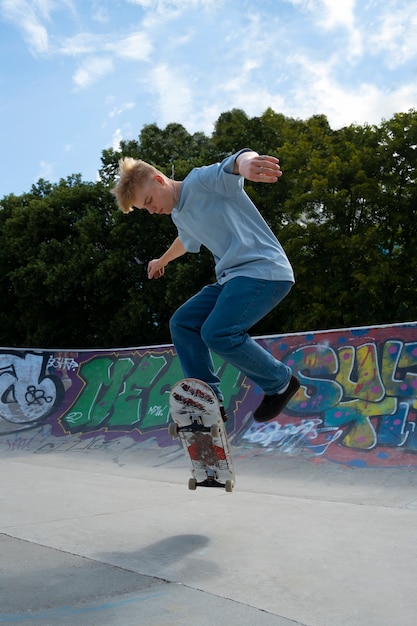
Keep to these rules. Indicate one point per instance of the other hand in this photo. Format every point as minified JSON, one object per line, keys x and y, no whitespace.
{"x":259,"y":168}
{"x":156,"y":269}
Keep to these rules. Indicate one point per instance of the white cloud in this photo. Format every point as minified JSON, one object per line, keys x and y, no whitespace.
{"x":45,"y":170}
{"x":327,"y":12}
{"x":100,"y":14}
{"x":82,"y":43}
{"x":335,"y":13}
{"x":116,"y":139}
{"x":253,"y":100}
{"x":162,"y":6}
{"x":317,"y":92}
{"x":159,"y":12}
{"x":173,"y":96}
{"x":388,"y":102}
{"x":145,"y":4}
{"x":91,"y":70}
{"x":304,"y":5}
{"x":395,"y":34}
{"x":30,"y":16}
{"x":121,"y":109}
{"x":24,"y":15}
{"x":136,"y":46}
{"x":133,"y":47}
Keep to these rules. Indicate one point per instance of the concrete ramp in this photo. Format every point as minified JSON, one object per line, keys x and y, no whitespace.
{"x":97,"y":525}
{"x":92,"y":537}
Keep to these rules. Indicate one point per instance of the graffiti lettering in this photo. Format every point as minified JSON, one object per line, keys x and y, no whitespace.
{"x":291,"y":437}
{"x":351,"y":386}
{"x":27,"y":393}
{"x":36,"y":396}
{"x":357,"y":402}
{"x":61,"y":363}
{"x":131,"y":393}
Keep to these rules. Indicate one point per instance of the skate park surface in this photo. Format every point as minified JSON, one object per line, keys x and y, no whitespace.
{"x":98,"y":527}
{"x":96,"y":537}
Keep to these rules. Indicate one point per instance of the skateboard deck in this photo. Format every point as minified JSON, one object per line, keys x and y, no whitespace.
{"x":198,"y":423}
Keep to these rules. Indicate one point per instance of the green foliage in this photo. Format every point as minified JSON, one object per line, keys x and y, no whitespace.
{"x":73,"y":268}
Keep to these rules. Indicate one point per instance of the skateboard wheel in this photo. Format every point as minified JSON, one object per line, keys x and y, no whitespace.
{"x":173,"y":429}
{"x":215,"y":430}
{"x":192,"y":484}
{"x":229,"y":486}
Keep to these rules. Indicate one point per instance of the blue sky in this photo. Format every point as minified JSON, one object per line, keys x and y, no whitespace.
{"x":76,"y":76}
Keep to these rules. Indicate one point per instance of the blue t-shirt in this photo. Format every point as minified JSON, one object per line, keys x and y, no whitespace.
{"x":214,"y":210}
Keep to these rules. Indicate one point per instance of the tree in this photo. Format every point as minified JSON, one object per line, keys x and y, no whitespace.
{"x":73,"y":268}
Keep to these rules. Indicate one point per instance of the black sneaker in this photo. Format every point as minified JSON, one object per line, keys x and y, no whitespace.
{"x":225,"y":417}
{"x":271,"y":406}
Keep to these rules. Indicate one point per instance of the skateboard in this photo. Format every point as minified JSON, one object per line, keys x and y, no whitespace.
{"x":198,"y":423}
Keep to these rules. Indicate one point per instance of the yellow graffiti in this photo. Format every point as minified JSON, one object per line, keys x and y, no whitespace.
{"x":368,"y":385}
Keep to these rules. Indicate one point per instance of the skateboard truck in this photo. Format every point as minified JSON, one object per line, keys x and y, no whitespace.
{"x":210,"y":481}
{"x":194,"y":427}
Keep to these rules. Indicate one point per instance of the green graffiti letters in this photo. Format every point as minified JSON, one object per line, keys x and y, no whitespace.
{"x":113,"y":392}
{"x":127,"y":392}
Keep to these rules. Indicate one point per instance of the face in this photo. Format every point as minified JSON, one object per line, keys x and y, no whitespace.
{"x":156,"y":197}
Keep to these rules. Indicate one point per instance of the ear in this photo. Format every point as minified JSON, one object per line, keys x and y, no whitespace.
{"x":159,"y":179}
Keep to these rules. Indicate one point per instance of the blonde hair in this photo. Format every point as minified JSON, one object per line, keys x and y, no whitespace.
{"x":133,"y":174}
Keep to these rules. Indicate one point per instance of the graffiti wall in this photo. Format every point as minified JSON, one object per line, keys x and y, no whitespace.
{"x":357,"y":404}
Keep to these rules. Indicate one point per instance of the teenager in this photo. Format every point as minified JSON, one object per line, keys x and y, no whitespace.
{"x":253,"y":274}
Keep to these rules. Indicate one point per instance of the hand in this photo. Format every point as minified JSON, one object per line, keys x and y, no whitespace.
{"x":156,"y":269}
{"x":259,"y":168}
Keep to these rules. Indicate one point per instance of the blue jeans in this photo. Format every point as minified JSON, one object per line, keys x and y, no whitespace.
{"x":218,"y":318}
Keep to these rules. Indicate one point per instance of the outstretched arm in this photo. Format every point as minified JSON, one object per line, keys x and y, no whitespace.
{"x":263,"y":169}
{"x":156,"y":267}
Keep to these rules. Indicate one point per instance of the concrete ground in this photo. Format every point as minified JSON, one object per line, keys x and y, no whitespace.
{"x":99,"y":538}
